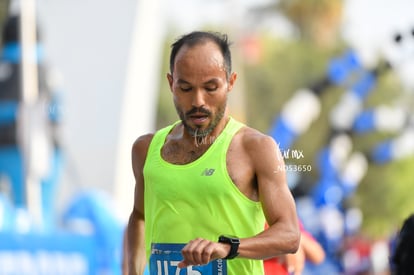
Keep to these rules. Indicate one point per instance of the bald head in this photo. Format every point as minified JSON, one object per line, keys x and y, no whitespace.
{"x":199,"y":38}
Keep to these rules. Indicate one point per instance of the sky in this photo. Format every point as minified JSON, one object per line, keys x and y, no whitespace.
{"x":191,"y":14}
{"x":369,"y":25}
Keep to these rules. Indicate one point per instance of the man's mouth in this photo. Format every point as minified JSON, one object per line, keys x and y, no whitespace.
{"x":198,"y":118}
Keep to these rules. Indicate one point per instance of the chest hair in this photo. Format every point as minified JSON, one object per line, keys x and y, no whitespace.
{"x":178,"y":153}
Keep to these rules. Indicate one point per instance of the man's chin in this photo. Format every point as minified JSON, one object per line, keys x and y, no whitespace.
{"x":198,"y":129}
{"x":193,"y":127}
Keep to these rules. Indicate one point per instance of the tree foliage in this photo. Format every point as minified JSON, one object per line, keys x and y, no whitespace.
{"x":316,"y":21}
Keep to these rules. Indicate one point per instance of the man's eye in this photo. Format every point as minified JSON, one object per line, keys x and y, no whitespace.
{"x":185,"y":89}
{"x":211,"y":89}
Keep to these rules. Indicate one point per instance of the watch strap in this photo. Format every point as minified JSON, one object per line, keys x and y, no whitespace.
{"x":234,"y":246}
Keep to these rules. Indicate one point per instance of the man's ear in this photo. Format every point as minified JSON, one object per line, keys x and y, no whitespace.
{"x":232,"y":81}
{"x":170,"y":80}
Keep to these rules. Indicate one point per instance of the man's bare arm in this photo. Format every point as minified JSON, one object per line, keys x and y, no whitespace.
{"x":135,"y":241}
{"x":283,"y":234}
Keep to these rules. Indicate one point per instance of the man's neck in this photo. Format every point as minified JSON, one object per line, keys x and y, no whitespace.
{"x":208,"y":139}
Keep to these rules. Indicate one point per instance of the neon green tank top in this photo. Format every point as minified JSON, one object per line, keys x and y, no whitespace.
{"x":198,"y":199}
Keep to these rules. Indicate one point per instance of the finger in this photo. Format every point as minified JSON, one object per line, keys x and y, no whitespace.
{"x":201,"y":253}
{"x":183,"y":264}
{"x":187,"y":252}
{"x":208,"y":252}
{"x":192,"y":252}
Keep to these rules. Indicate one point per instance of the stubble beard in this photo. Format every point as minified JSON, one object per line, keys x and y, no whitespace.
{"x":197,"y":132}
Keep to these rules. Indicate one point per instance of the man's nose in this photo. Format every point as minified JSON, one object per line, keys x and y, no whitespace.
{"x":198,"y":98}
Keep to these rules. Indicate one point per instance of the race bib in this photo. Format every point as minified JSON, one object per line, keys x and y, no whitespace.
{"x":164,"y":260}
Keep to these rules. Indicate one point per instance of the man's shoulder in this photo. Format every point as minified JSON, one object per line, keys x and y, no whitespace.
{"x":141,"y":144}
{"x":146,"y":138}
{"x":256,"y":147}
{"x":253,"y":138}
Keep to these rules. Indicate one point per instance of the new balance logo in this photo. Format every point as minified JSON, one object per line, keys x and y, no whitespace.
{"x":208,"y":172}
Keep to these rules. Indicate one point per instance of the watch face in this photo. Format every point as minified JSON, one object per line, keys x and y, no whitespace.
{"x":228,"y":239}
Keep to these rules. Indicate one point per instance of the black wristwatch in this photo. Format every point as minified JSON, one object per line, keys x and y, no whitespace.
{"x":234,"y":245}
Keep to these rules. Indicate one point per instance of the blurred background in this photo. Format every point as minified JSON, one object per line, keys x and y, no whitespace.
{"x":330,"y":80}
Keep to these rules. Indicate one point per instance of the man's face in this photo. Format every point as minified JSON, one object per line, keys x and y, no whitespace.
{"x":200,"y":86}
